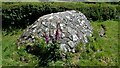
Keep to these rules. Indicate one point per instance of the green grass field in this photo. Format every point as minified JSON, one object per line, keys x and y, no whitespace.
{"x":101,"y":51}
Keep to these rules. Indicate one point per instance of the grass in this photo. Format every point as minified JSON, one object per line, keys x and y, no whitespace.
{"x":11,"y":56}
{"x":101,"y":51}
{"x":0,"y":48}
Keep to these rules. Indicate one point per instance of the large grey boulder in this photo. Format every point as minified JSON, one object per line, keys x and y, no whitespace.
{"x":68,"y":28}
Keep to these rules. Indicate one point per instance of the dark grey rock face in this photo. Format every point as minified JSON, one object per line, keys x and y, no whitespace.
{"x":68,"y":28}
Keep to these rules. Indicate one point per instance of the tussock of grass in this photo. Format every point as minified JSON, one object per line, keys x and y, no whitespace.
{"x":101,"y":51}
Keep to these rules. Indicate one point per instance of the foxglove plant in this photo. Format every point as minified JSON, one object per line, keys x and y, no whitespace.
{"x":57,"y":35}
{"x":57,"y":32}
{"x":46,"y":37}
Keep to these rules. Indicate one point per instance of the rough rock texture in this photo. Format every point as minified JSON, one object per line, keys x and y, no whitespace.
{"x":68,"y":28}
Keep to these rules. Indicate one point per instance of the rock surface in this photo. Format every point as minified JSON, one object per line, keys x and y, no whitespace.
{"x":68,"y":28}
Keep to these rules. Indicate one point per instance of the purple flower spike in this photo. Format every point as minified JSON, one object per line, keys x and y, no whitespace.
{"x":46,"y":37}
{"x":57,"y":34}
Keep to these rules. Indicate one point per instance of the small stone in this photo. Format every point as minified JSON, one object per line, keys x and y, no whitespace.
{"x":62,"y":28}
{"x":75,"y":37}
{"x":63,"y":47}
{"x":85,"y":39}
{"x":53,"y":25}
{"x":39,"y":30}
{"x":34,"y":30}
{"x":27,"y":30}
{"x":73,"y":11}
{"x":69,"y":29}
{"x":67,"y":34}
{"x":43,"y":23}
{"x":25,"y":38}
{"x":82,"y":22}
{"x":30,"y":39}
{"x":83,"y":31}
{"x":68,"y":17}
{"x":71,"y":44}
{"x":70,"y":37}
{"x":38,"y":19}
{"x":33,"y":37}
{"x":69,"y":12}
{"x":102,"y":32}
{"x":63,"y":35}
{"x":50,"y":18}
{"x":78,"y":20}
{"x":61,"y":25}
{"x":80,"y":34}
{"x":68,"y":48}
{"x":47,"y":29}
{"x":73,"y":50}
{"x":77,"y":25}
{"x":62,"y":41}
{"x":55,"y":31}
{"x":89,"y":34}
{"x":34,"y":26}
